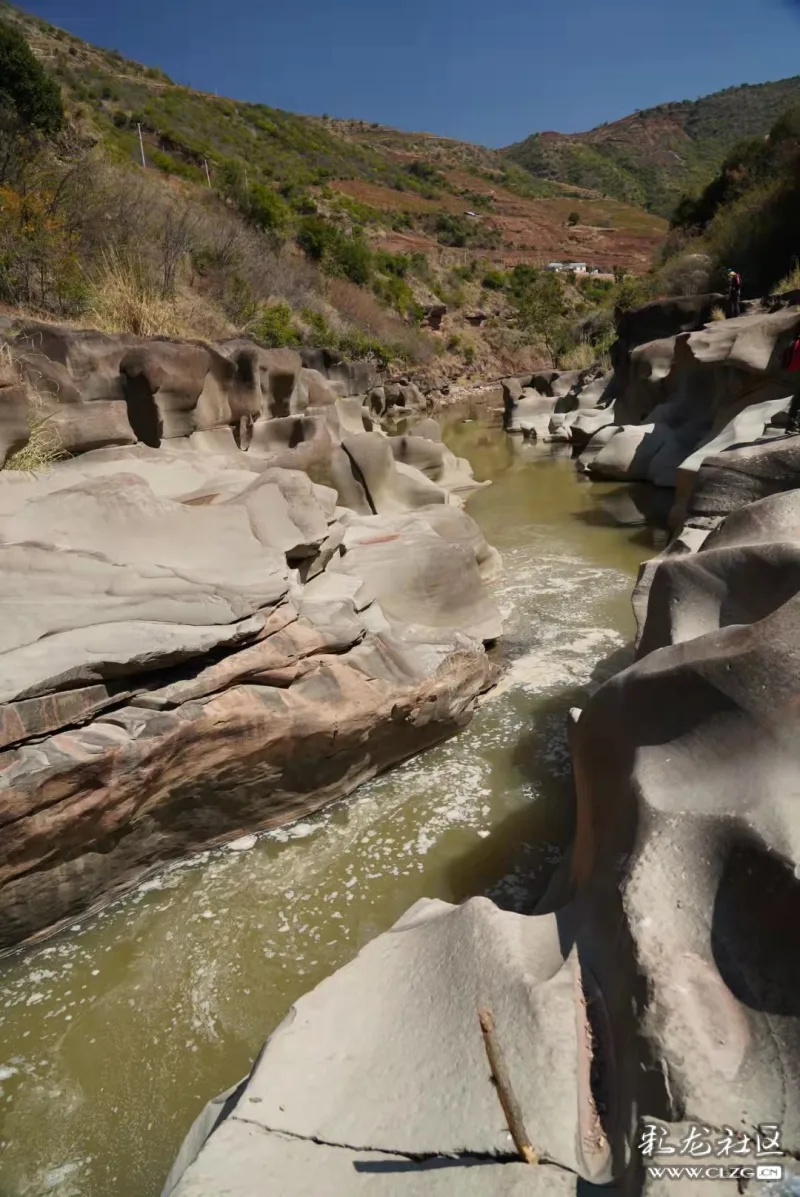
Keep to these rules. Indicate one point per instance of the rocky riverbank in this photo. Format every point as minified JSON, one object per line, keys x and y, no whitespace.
{"x":233,"y":602}
{"x":657,"y":983}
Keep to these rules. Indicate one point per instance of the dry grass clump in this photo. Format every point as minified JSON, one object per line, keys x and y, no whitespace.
{"x":124,"y":298}
{"x":718,"y":314}
{"x":44,"y":445}
{"x":791,"y":282}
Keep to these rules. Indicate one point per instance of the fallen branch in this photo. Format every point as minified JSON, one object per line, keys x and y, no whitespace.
{"x":502,"y":1083}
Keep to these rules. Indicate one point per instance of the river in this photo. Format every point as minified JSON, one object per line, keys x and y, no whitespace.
{"x":114,"y":1034}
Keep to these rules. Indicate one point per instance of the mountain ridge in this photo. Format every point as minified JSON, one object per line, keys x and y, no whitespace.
{"x":655,"y":155}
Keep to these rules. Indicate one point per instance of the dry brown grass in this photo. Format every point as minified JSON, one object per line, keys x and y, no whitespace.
{"x":124,"y":298}
{"x":44,"y":445}
{"x":356,"y":306}
{"x":791,"y":282}
{"x":717,"y":314}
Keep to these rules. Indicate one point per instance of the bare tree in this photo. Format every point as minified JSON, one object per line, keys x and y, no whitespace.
{"x":175,"y":242}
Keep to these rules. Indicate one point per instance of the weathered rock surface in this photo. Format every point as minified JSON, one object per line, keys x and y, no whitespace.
{"x":234,"y":614}
{"x":657,"y":982}
{"x":687,"y":397}
{"x":538,"y":405}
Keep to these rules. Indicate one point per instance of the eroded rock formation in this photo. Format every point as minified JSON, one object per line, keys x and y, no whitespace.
{"x":657,"y":982}
{"x":676,"y":401}
{"x":234,"y":601}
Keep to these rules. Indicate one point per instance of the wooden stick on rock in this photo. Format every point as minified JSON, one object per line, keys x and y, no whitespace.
{"x":502,"y":1083}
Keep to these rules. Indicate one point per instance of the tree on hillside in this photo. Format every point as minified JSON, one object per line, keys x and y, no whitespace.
{"x":542,"y":314}
{"x":26,"y":91}
{"x":573,"y":219}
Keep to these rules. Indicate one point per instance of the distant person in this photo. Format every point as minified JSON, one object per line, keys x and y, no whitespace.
{"x":734,"y":294}
{"x":792,"y":364}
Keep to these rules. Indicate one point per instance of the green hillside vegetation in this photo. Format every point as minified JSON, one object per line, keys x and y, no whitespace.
{"x":239,"y":225}
{"x":747,"y":216}
{"x":654,"y":156}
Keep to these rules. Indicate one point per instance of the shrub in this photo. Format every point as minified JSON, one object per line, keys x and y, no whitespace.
{"x":631,"y":292}
{"x":396,"y":264}
{"x":573,"y":219}
{"x":315,"y":236}
{"x":690,"y":274}
{"x":266,"y":209}
{"x":321,"y":335}
{"x":493,"y":280}
{"x":25,"y":88}
{"x":274,"y":327}
{"x":351,"y":257}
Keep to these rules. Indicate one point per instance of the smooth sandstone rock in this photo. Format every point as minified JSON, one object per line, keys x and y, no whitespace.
{"x":154,"y":698}
{"x":419,"y":988}
{"x":418,"y":577}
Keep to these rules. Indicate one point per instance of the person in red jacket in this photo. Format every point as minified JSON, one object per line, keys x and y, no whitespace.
{"x":793,"y":365}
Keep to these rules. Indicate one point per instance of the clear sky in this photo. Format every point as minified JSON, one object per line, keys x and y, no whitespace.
{"x":489,"y":71}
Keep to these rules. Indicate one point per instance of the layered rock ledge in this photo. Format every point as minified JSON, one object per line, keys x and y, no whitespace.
{"x":233,"y":601}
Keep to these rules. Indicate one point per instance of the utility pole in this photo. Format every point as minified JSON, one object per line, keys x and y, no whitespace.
{"x":208,"y":176}
{"x":141,"y":145}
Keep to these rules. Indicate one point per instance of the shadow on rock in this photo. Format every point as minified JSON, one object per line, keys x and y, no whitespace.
{"x":756,"y":915}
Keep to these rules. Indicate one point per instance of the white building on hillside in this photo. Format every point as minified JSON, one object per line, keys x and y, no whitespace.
{"x":567,"y":267}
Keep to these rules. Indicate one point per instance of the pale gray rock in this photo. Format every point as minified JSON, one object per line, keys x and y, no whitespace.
{"x":628,"y":454}
{"x":419,"y":578}
{"x":285,"y":512}
{"x":742,"y":573}
{"x":418,"y":1045}
{"x":268,"y":1162}
{"x":388,"y":486}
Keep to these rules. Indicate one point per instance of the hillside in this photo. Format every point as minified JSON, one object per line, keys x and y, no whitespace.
{"x":409,"y":179}
{"x":159,"y":209}
{"x":746,"y":217}
{"x":653,"y":157}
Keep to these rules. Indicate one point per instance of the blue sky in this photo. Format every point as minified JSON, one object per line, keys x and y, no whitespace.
{"x":489,"y":71}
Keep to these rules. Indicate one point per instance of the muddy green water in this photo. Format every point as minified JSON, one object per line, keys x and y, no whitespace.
{"x":114,"y":1034}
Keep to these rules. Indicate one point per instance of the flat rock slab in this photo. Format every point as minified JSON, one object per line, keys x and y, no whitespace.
{"x":88,"y":571}
{"x":242,"y":1160}
{"x":408,"y":1077}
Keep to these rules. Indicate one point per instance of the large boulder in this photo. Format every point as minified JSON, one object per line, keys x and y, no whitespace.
{"x":660,"y":319}
{"x":433,"y":459}
{"x":174,"y":388}
{"x":741,"y":476}
{"x":220,"y":629}
{"x":345,"y":378}
{"x":90,"y":360}
{"x":419,"y":573}
{"x":263,"y":736}
{"x":278,"y":377}
{"x":703,"y":392}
